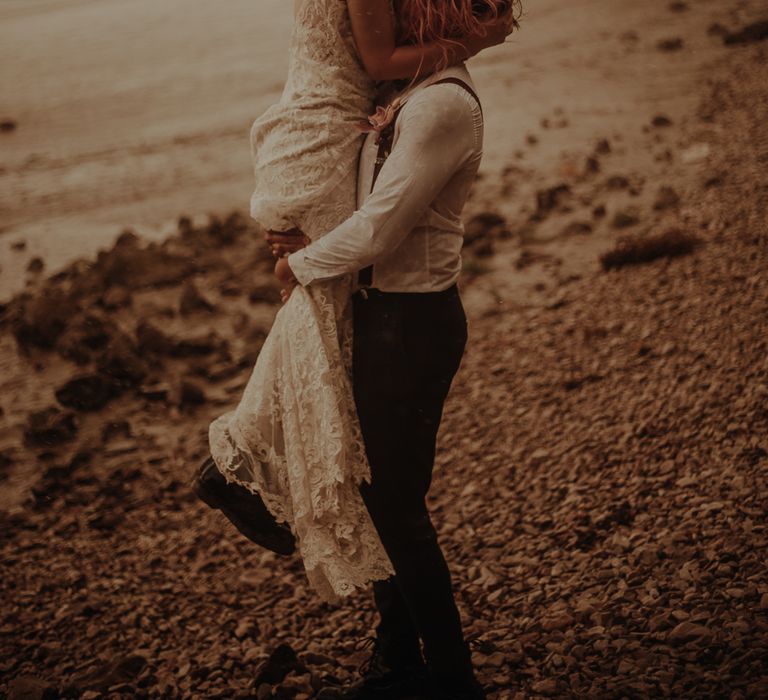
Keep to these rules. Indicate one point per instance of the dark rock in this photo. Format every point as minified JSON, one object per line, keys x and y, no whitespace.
{"x":121,"y":362}
{"x":191,"y":346}
{"x":116,"y":297}
{"x":577,"y":228}
{"x":192,"y":300}
{"x":152,"y":340}
{"x":717,"y":29}
{"x":666,"y":198}
{"x":669,"y":45}
{"x":36,"y":265}
{"x":107,"y":520}
{"x":269,"y":293}
{"x":86,"y":337}
{"x":636,"y":250}
{"x":688,"y":632}
{"x":483,"y":249}
{"x":113,"y":429}
{"x":599,"y":211}
{"x":6,"y":462}
{"x":135,"y":267}
{"x":191,"y":394}
{"x":280,"y":663}
{"x":228,"y":231}
{"x":551,"y":198}
{"x":49,"y":427}
{"x":603,"y":147}
{"x":592,"y":165}
{"x":158,"y":391}
{"x":31,"y":688}
{"x":89,"y":392}
{"x":19,"y":245}
{"x":125,"y":670}
{"x":757,"y":31}
{"x":626,"y":218}
{"x":678,"y":6}
{"x":41,"y":319}
{"x":184,"y":226}
{"x":485,"y":226}
{"x":617,"y":182}
{"x":8,"y":125}
{"x":661,"y":121}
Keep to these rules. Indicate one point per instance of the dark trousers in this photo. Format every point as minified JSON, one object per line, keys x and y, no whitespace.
{"x":407,"y":349}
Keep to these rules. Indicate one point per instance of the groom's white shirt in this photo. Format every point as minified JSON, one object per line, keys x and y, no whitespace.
{"x":409,"y":227}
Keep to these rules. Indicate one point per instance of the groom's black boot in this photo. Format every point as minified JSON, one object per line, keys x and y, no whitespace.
{"x":394,"y":671}
{"x":245,"y":510}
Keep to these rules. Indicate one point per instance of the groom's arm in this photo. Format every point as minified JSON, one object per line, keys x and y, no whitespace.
{"x":436,"y":137}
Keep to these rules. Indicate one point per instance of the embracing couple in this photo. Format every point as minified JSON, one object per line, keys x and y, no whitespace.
{"x":331,"y":448}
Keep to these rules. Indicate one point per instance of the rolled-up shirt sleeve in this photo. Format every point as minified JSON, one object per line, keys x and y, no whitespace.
{"x":435,"y":136}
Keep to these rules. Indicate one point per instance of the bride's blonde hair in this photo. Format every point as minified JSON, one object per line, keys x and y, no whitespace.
{"x":445,"y":21}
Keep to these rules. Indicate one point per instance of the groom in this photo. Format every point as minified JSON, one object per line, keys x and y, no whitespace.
{"x":403,"y":245}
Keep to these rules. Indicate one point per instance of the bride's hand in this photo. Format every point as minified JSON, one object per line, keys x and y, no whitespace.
{"x":286,"y":242}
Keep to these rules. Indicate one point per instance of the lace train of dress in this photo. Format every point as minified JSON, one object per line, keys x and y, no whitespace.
{"x":294,"y":439}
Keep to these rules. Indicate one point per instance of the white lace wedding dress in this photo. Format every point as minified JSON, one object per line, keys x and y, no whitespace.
{"x":294,"y":438}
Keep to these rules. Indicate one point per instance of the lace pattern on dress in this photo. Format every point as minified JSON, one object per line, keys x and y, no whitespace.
{"x":294,"y":437}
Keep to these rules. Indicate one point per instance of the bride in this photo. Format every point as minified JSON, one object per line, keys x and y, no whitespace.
{"x":294,"y":438}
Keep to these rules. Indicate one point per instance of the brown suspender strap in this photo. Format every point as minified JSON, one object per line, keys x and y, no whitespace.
{"x":460,"y":83}
{"x":386,"y":137}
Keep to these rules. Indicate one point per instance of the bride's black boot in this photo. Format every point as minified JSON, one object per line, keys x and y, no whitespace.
{"x":245,"y":510}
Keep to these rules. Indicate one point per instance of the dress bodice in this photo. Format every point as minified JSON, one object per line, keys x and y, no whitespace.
{"x":324,"y":67}
{"x":305,"y":147}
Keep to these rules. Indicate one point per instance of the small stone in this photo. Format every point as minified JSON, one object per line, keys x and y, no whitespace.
{"x":689,"y":631}
{"x":36,"y":265}
{"x":577,"y":228}
{"x":115,"y":297}
{"x":626,"y":218}
{"x":670,"y":45}
{"x":666,"y":198}
{"x":546,"y":686}
{"x":50,"y":427}
{"x":557,"y":622}
{"x":191,"y":394}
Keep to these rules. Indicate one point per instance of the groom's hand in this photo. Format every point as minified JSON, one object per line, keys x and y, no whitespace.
{"x":285,"y":276}
{"x":286,"y":242}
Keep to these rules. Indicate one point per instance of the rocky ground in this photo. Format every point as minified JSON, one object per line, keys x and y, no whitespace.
{"x":601,"y":485}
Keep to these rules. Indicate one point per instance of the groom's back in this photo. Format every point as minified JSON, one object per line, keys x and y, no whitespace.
{"x":436,"y":147}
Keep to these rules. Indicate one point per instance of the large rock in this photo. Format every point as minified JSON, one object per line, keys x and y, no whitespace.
{"x":39,"y":320}
{"x":132,"y":266}
{"x":50,"y":427}
{"x":86,"y":337}
{"x":121,"y":670}
{"x":30,"y":688}
{"x":280,"y":663}
{"x":122,"y":363}
{"x":88,"y":392}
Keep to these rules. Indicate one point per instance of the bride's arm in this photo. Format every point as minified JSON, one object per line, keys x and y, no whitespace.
{"x":374,"y":32}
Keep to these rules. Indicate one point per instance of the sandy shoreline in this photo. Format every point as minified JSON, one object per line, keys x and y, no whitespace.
{"x":131,"y":115}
